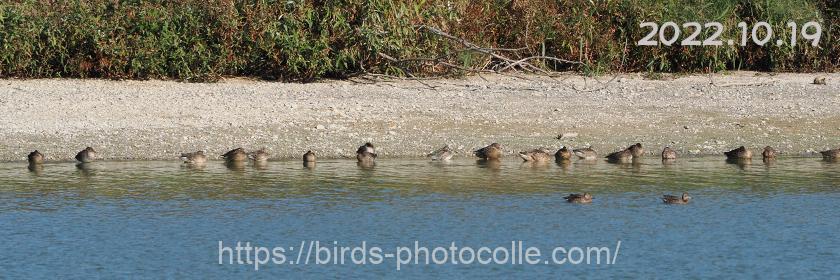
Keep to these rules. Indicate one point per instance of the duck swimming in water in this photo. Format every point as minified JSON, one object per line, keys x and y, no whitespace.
{"x":831,"y":154}
{"x":672,"y":199}
{"x":194,"y":158}
{"x":535,"y":155}
{"x":235,"y":155}
{"x":739,"y":153}
{"x":260,"y":156}
{"x":309,"y":156}
{"x":586,"y":153}
{"x":492,"y":152}
{"x":768,"y":153}
{"x":620,"y":156}
{"x":442,"y":154}
{"x":35,"y":157}
{"x":87,"y":155}
{"x":563,"y":154}
{"x":578,"y":198}
{"x":669,"y":153}
{"x":636,"y":150}
{"x":366,"y":153}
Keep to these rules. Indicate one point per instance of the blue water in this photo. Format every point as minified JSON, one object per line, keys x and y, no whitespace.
{"x":163,"y":220}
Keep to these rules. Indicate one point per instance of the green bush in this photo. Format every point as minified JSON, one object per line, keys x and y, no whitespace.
{"x":305,"y":40}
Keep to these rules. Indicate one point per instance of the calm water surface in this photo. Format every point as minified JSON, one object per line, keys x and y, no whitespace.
{"x":152,"y":219}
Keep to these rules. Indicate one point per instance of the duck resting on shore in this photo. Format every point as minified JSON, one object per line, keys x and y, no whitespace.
{"x":235,"y":155}
{"x":442,"y":154}
{"x":586,"y":153}
{"x":819,"y":81}
{"x":87,"y":155}
{"x":668,"y":153}
{"x":194,"y":158}
{"x":366,"y":153}
{"x":535,"y":155}
{"x":672,"y":199}
{"x":578,"y":198}
{"x":491,"y":152}
{"x":35,"y":157}
{"x":739,"y":153}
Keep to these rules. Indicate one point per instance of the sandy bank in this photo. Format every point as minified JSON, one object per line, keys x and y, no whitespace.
{"x":159,"y":119}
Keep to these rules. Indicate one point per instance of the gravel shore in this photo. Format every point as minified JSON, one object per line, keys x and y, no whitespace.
{"x":157,"y":120}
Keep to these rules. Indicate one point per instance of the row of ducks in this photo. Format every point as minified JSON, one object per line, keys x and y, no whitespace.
{"x":366,"y":154}
{"x":494,"y":152}
{"x":586,"y":198}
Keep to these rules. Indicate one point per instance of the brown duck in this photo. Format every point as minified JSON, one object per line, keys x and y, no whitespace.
{"x":366,"y":153}
{"x":442,"y":154}
{"x":669,"y":153}
{"x":831,"y":154}
{"x":563,"y":154}
{"x":87,"y":155}
{"x":636,"y":150}
{"x":35,"y":157}
{"x":259,"y":156}
{"x":535,"y":155}
{"x":672,"y":199}
{"x":768,"y":153}
{"x":739,"y":153}
{"x":819,"y":81}
{"x":586,"y":153}
{"x":309,"y":156}
{"x":620,"y":156}
{"x":194,"y":158}
{"x":578,"y":198}
{"x":492,"y":151}
{"x":235,"y":155}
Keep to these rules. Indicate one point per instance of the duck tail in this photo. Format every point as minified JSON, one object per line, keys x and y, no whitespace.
{"x":525,"y":156}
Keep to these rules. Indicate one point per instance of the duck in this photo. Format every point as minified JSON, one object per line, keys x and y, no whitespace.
{"x":563,"y":154}
{"x":620,"y":156}
{"x":366,"y":153}
{"x":768,"y":153}
{"x":636,"y":150}
{"x":831,"y":154}
{"x":87,"y":155}
{"x":578,"y":198}
{"x":672,"y":199}
{"x":35,"y":157}
{"x":739,"y":153}
{"x":309,"y":156}
{"x":586,"y":153}
{"x":194,"y":158}
{"x":492,"y":152}
{"x":669,"y":153}
{"x":442,"y":154}
{"x":819,"y":81}
{"x":260,"y":156}
{"x":535,"y":155}
{"x":235,"y":155}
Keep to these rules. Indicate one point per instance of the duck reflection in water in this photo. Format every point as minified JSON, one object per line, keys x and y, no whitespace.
{"x":35,"y":168}
{"x":238,"y":166}
{"x":85,"y":169}
{"x":492,"y":164}
{"x":742,"y":163}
